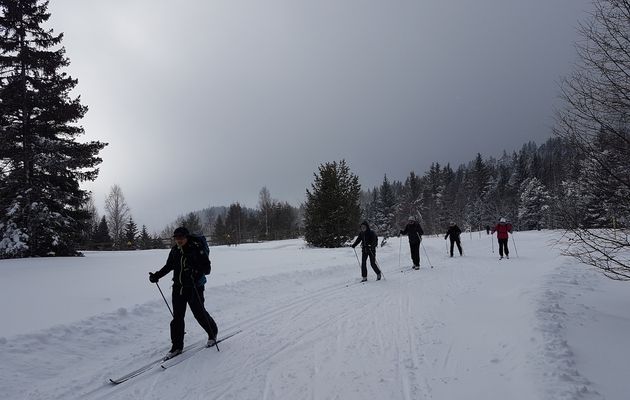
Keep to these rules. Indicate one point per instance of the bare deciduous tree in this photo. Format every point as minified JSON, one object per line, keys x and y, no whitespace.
{"x":117,"y":214}
{"x":265,"y":204}
{"x":595,"y":121}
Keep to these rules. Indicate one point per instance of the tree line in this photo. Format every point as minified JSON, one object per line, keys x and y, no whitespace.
{"x":236,"y":224}
{"x":578,"y":181}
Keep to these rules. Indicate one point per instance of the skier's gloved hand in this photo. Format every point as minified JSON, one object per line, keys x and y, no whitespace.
{"x":153,"y":278}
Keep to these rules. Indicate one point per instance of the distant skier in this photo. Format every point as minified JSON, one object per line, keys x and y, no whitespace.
{"x":414,"y":231}
{"x":368,"y":241}
{"x":487,"y":229}
{"x":454,"y":232}
{"x":503,"y":229}
{"x":187,"y":260}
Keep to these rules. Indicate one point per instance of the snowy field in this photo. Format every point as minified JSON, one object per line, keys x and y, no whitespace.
{"x":537,"y":326}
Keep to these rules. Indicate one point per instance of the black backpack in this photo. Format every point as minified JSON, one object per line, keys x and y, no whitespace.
{"x":200,"y":240}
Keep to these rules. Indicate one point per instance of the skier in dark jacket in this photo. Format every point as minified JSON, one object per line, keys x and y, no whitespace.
{"x":368,"y":241}
{"x":503,"y":229}
{"x":454,"y":232}
{"x":187,"y":260}
{"x":414,"y":231}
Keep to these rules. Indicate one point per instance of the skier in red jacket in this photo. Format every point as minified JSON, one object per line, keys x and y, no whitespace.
{"x":503,"y":229}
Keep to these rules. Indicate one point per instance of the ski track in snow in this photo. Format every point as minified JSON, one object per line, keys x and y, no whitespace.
{"x":472,"y":327}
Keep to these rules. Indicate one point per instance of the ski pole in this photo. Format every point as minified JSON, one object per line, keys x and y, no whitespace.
{"x":419,"y":252}
{"x":492,"y":241}
{"x":399,"y":250}
{"x":446,"y":244}
{"x":426,"y":254}
{"x":357,"y":256}
{"x":514,"y":243}
{"x":169,"y":307}
{"x":205,"y":315}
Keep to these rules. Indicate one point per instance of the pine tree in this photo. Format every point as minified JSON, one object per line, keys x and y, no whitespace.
{"x":219,"y":235}
{"x":42,"y":164}
{"x":145,"y":239}
{"x":191,"y":221}
{"x":332,"y":210}
{"x":412,"y":200}
{"x":534,"y":205}
{"x":102,"y":239}
{"x":157,"y":243}
{"x":385,"y":223}
{"x":131,"y":233}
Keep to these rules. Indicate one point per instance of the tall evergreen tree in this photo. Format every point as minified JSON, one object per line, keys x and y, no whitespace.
{"x":101,"y":236}
{"x":42,"y":164}
{"x":191,"y":221}
{"x":219,"y":235}
{"x":235,"y":222}
{"x":385,"y":222}
{"x":131,"y":234}
{"x":534,"y":206}
{"x":145,"y":239}
{"x":332,"y":210}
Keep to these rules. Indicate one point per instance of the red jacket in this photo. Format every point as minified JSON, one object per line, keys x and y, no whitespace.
{"x":502,"y":230}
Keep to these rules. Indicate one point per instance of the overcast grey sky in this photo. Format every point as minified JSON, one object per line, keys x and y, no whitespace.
{"x":203,"y":102}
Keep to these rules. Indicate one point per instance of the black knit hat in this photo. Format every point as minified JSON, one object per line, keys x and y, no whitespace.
{"x":181,"y":231}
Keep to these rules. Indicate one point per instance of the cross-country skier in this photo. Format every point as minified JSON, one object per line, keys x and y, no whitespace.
{"x":454,"y":232}
{"x":414,"y":231}
{"x":368,"y":241}
{"x":503,"y":229}
{"x":187,"y":260}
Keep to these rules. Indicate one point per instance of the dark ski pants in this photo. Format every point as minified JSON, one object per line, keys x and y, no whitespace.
{"x":503,"y":247}
{"x":194,"y":298}
{"x":459,"y":246}
{"x":415,"y":253}
{"x":365,"y":253}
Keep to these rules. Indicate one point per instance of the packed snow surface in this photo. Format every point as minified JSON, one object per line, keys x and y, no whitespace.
{"x":536,"y":326}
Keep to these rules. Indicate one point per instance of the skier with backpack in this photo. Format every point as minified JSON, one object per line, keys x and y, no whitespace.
{"x":503,"y":229}
{"x":369,"y":241}
{"x":189,"y":261}
{"x":414,"y":231}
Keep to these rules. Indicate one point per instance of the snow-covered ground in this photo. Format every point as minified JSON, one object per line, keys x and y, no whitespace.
{"x":537,"y":326}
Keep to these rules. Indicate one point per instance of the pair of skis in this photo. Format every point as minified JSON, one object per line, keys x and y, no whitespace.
{"x":186,"y":353}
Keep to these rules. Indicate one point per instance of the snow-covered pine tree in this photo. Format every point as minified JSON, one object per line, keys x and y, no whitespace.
{"x":41,"y":163}
{"x":332,"y":210}
{"x":385,"y":223}
{"x":411,"y":200}
{"x":533,"y":212}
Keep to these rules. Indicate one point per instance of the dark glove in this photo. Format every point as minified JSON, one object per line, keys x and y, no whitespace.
{"x":153,"y":278}
{"x":353,"y":246}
